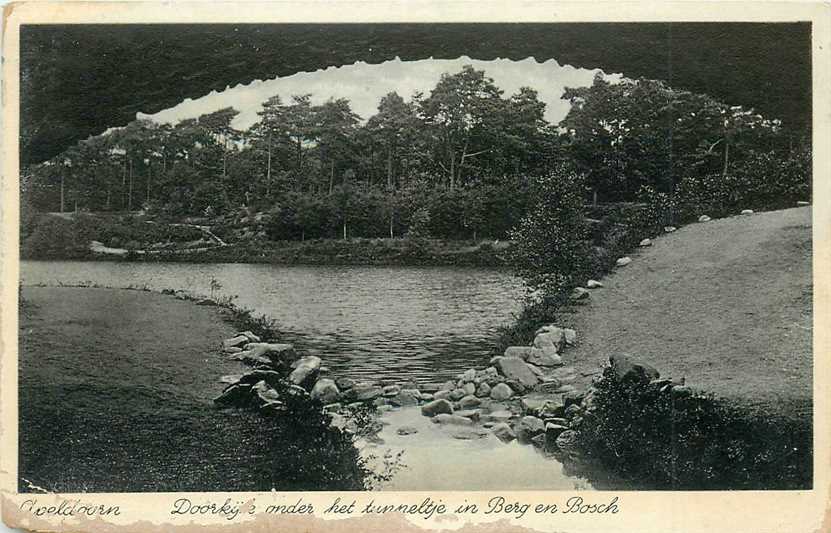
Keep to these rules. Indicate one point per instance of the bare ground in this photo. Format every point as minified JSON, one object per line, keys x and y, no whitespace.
{"x":727,"y":304}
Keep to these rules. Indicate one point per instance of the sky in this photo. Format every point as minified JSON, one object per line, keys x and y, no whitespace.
{"x":364,"y":85}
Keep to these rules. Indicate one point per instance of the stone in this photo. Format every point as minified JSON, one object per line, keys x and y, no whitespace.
{"x":344,"y":383}
{"x":469,"y":375}
{"x":579,"y":293}
{"x":446,"y":418}
{"x":516,"y":369}
{"x":704,"y":218}
{"x":264,"y":392}
{"x":532,"y":405}
{"x":503,"y":432}
{"x":237,"y":395}
{"x":437,"y":407}
{"x":623,"y":261}
{"x":472,"y":414}
{"x":556,"y":421}
{"x":426,"y":397}
{"x":501,"y":391}
{"x":669,"y":229}
{"x":568,"y":442}
{"x":391,"y":390}
{"x":469,"y":388}
{"x":574,"y":397}
{"x":406,"y":430}
{"x":529,"y":427}
{"x":573,"y":410}
{"x":536,"y":370}
{"x":325,"y":391}
{"x":448,"y":385}
{"x":552,"y":431}
{"x":484,"y":390}
{"x":546,"y":356}
{"x":305,"y":371}
{"x":502,"y":415}
{"x":272,"y":407}
{"x":747,"y":211}
{"x":625,"y":369}
{"x":570,"y":336}
{"x":550,"y":336}
{"x":406,"y":397}
{"x":469,"y":402}
{"x":681,"y":391}
{"x":552,"y":409}
{"x":230,"y":378}
{"x":250,"y":336}
{"x":518,"y":352}
{"x":442,"y":395}
{"x":332,"y":407}
{"x":563,"y":389}
{"x":593,"y":284}
{"x":457,"y":394}
{"x":644,"y":243}
{"x":364,"y":392}
{"x":271,"y":377}
{"x":469,"y":433}
{"x":384,"y":408}
{"x":280,"y":355}
{"x":516,"y":386}
{"x":232,"y":349}
{"x":380,"y":401}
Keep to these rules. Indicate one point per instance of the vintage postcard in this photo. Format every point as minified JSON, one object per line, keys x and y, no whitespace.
{"x":415,"y":266}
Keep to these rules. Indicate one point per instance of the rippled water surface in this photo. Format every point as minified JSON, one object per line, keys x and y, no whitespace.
{"x":422,"y":323}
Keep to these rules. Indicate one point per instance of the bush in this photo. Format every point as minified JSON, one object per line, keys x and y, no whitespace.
{"x":664,"y":441}
{"x":552,"y":253}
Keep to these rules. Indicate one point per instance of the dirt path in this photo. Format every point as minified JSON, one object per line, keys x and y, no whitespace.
{"x":726,"y":304}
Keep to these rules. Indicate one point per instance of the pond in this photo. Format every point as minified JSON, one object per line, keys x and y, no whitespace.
{"x":421,"y":323}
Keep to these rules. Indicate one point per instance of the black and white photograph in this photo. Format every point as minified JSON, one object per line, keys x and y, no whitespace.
{"x":388,"y":257}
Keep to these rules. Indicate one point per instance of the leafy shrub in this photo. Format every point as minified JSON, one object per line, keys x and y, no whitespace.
{"x":552,"y":253}
{"x":690,"y":442}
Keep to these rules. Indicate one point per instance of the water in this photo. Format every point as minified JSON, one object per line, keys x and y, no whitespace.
{"x":421,"y":323}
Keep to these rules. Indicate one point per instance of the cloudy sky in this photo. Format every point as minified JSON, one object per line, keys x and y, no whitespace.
{"x":364,"y":85}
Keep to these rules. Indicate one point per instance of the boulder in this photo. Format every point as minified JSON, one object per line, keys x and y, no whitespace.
{"x":237,"y":395}
{"x":230,"y":379}
{"x":570,"y":336}
{"x":232,"y":349}
{"x":344,"y":383}
{"x":305,"y":371}
{"x":516,"y":386}
{"x":528,"y":428}
{"x":426,"y":397}
{"x":280,"y":355}
{"x":469,"y":433}
{"x":325,"y":391}
{"x":669,"y":229}
{"x":516,"y":369}
{"x":623,"y":261}
{"x":469,"y":388}
{"x":271,"y":377}
{"x":704,"y":218}
{"x":574,"y":397}
{"x":448,"y":385}
{"x":551,"y":336}
{"x":626,"y":369}
{"x":406,"y":397}
{"x":264,"y":393}
{"x":644,"y":243}
{"x":250,"y":336}
{"x":437,"y":407}
{"x":556,"y":421}
{"x":442,"y":395}
{"x":469,"y":402}
{"x":518,"y":352}
{"x":502,"y":415}
{"x":406,"y":430}
{"x":536,"y":370}
{"x":484,"y":390}
{"x":747,"y":211}
{"x":457,"y":394}
{"x":503,"y":432}
{"x":552,"y":431}
{"x":579,"y":293}
{"x":469,"y":375}
{"x":501,"y":391}
{"x":472,"y":414}
{"x":534,"y":405}
{"x":391,"y":390}
{"x":546,"y":356}
{"x":568,"y":442}
{"x":593,"y":284}
{"x":364,"y":392}
{"x":456,"y":420}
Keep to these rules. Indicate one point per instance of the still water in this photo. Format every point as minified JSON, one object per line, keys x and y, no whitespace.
{"x":421,"y":323}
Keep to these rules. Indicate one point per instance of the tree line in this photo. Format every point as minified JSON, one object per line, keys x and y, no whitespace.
{"x":457,"y":162}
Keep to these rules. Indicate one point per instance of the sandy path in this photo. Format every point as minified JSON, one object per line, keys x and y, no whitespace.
{"x":726,"y":303}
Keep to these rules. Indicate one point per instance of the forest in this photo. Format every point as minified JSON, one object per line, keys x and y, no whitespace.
{"x":462,"y":162}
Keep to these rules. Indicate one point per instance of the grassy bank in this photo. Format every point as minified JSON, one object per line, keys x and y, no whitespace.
{"x":153,"y":361}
